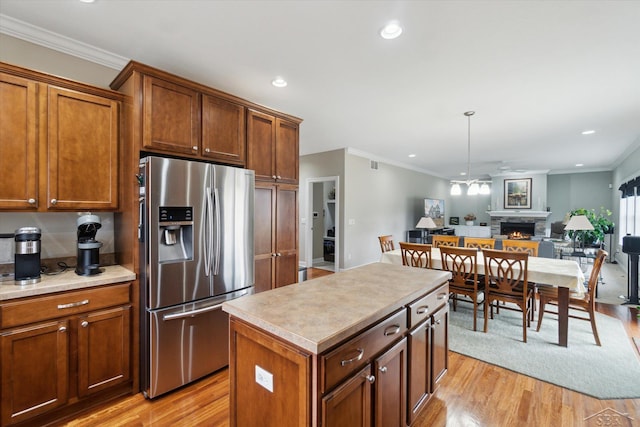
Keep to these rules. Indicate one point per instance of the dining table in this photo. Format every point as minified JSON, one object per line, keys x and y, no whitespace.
{"x":564,"y":274}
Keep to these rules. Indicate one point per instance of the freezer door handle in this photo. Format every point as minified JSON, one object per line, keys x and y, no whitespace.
{"x":208,"y":234}
{"x":216,"y":203}
{"x":191,"y":313}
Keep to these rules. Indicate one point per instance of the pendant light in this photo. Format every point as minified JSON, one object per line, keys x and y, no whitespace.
{"x":474,"y":186}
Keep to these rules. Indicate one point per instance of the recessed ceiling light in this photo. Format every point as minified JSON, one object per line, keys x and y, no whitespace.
{"x":87,"y":1}
{"x":463,"y":173}
{"x":588,"y":132}
{"x":412,"y":155}
{"x":391,"y":30}
{"x":579,"y":165}
{"x":279,"y":82}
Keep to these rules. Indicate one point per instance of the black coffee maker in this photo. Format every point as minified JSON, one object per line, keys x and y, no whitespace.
{"x":88,"y":262}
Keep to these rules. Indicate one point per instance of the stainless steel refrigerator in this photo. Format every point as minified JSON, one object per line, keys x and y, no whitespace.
{"x":196,"y":233}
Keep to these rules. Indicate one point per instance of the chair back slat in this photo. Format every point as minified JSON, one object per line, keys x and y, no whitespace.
{"x":386,"y":243}
{"x":506,"y":272}
{"x":479,"y":243}
{"x":462,"y":263}
{"x":594,"y":277}
{"x":416,"y":254}
{"x":439,"y":240}
{"x":528,"y":246}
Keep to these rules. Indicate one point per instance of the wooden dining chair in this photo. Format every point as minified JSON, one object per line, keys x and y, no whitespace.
{"x":416,"y":254}
{"x":438,"y":240}
{"x":463,"y":265}
{"x":479,"y":243}
{"x":506,"y":281}
{"x":386,"y":243}
{"x":528,"y":246}
{"x":585,"y":303}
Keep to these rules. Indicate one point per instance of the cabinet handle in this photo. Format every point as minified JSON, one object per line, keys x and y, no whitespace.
{"x":206,"y":150}
{"x":32,"y":201}
{"x":383,"y":369}
{"x":274,"y":177}
{"x":438,"y":322}
{"x":354,"y":359}
{"x":54,"y":201}
{"x":84,"y":324}
{"x":62,"y":328}
{"x":442,"y":295}
{"x":422,"y":309}
{"x":371,"y":378}
{"x":274,"y":255}
{"x":73,"y":304}
{"x":278,"y":254}
{"x":391,"y":330}
{"x":278,"y":177}
{"x":195,"y":148}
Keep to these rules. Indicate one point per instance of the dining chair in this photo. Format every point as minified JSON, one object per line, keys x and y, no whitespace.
{"x":386,"y":243}
{"x":463,"y":265}
{"x":416,"y":254}
{"x":528,"y":246}
{"x":585,"y":303}
{"x":439,"y":240}
{"x":479,"y":243}
{"x":506,"y":281}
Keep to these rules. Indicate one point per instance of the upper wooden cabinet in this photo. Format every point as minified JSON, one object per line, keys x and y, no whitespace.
{"x":59,"y":143}
{"x":223,"y":130}
{"x":273,"y":147}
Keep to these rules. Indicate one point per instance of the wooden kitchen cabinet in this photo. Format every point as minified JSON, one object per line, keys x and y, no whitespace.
{"x":223,"y":130}
{"x":273,"y":147}
{"x":275,"y":235}
{"x":60,"y":350}
{"x":59,"y":143}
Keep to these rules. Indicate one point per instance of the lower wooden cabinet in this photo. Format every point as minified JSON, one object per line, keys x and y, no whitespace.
{"x":58,"y":361}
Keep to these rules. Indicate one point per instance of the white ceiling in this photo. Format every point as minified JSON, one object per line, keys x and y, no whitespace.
{"x":537,"y":73}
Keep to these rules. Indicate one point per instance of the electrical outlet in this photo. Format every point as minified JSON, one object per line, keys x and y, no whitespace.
{"x":264,"y":378}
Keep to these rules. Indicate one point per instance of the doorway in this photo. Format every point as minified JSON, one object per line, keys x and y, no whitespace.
{"x":323,"y":225}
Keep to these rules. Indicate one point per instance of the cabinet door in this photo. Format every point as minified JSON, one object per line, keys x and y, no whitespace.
{"x":264,"y":235}
{"x":440,"y":346}
{"x":103,"y":350}
{"x":390,"y":387}
{"x":287,"y":152}
{"x":171,"y":117}
{"x":82,"y":151}
{"x":349,"y":405}
{"x":34,"y":361}
{"x":18,"y":143}
{"x":223,"y":130}
{"x":419,"y":373}
{"x":261,"y":145}
{"x":286,"y":235}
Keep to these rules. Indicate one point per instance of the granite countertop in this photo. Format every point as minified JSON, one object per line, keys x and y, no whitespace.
{"x":66,"y":281}
{"x":319,"y":313}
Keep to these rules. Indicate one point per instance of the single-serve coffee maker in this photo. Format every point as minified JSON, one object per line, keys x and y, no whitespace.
{"x":88,"y":262}
{"x":27,"y":256}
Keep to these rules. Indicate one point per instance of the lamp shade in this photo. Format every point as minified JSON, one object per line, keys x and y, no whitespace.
{"x":426,"y":222}
{"x":578,"y":222}
{"x":456,"y":190}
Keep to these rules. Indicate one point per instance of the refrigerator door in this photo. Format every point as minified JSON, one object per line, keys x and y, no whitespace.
{"x":175,"y":247}
{"x":233,"y":250}
{"x":185,"y":343}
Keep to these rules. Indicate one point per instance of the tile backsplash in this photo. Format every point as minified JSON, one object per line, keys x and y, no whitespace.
{"x":59,"y":233}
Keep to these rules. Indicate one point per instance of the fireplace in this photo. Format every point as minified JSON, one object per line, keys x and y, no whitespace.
{"x":518,"y":230}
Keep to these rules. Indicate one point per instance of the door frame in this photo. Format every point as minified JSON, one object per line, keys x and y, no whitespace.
{"x":309,"y":225}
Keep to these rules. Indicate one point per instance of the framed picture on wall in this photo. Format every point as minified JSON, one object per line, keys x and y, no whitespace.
{"x":517,"y":193}
{"x":434,"y":208}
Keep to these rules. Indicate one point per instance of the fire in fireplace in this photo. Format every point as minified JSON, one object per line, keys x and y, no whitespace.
{"x":518,"y":230}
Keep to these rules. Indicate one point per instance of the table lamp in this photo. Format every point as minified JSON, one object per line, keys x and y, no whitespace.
{"x":426,"y":222}
{"x":578,"y":223}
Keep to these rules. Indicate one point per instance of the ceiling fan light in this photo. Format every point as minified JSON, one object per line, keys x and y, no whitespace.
{"x":485,"y":189}
{"x":473,"y":189}
{"x":456,"y":190}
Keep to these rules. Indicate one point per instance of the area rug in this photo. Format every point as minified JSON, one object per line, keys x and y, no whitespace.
{"x":608,"y":372}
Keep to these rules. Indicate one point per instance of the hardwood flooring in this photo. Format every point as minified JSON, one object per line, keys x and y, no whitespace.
{"x":473,"y":393}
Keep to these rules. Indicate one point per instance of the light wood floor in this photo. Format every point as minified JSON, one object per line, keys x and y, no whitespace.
{"x":473,"y":393}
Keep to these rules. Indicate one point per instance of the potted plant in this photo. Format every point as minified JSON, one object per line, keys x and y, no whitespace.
{"x":470,"y":217}
{"x":601,"y":225}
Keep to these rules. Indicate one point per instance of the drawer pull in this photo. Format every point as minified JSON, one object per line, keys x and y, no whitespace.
{"x":354,"y":359}
{"x":392,"y":330}
{"x":442,"y":295}
{"x":62,"y":328}
{"x":84,"y":324}
{"x":383,"y":369}
{"x":371,"y":378}
{"x":73,"y":304}
{"x":422,"y":309}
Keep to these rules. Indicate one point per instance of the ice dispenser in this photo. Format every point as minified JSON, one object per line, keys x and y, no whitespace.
{"x":176,"y":234}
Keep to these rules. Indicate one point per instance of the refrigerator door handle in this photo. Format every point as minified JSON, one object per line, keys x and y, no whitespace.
{"x":216,"y":202}
{"x":208,"y":236}
{"x":191,"y":313}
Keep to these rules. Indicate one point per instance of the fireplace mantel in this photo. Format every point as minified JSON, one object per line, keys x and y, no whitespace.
{"x":519,"y":214}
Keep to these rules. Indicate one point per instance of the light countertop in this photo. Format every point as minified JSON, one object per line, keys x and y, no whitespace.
{"x":66,"y":281}
{"x":319,"y":313}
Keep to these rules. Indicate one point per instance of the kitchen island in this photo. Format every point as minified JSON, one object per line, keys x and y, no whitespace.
{"x":360,"y":347}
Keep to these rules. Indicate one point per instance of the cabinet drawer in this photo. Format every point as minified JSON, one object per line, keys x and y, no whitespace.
{"x":355,"y":353}
{"x":69,"y":303}
{"x":427,"y":305}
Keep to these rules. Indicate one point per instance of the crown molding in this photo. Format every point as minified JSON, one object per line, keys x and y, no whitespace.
{"x":24,"y":31}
